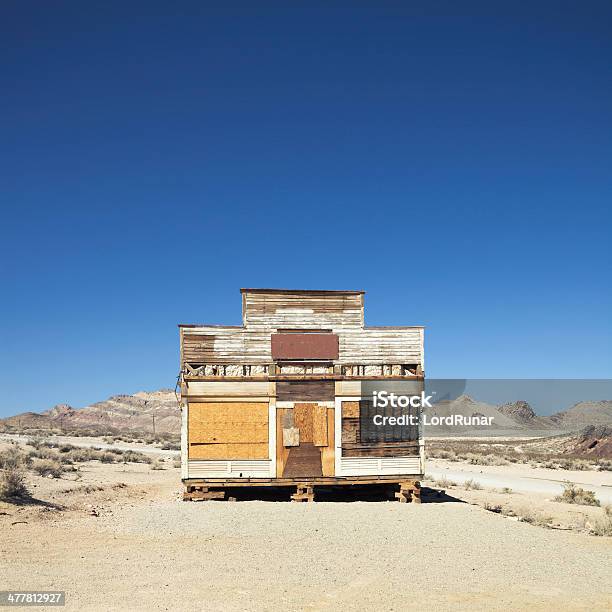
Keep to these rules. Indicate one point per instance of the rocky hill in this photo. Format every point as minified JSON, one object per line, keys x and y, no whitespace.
{"x":143,"y":411}
{"x":584,"y":414}
{"x":522,"y":412}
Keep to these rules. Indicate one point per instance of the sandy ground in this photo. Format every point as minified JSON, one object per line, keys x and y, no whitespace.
{"x":134,"y":545}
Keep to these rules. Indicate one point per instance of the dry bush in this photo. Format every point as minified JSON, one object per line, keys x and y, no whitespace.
{"x":506,"y":490}
{"x":12,"y":458}
{"x":603,"y":526}
{"x":176,"y":462}
{"x":527,"y":515}
{"x":13,"y":484}
{"x":489,"y":459}
{"x":497,"y":508}
{"x":158,"y":465}
{"x":472,"y":484}
{"x":605,"y":465}
{"x":575,"y":495}
{"x":444,"y":483}
{"x":107,"y":457}
{"x":87,"y":488}
{"x":135,"y":457}
{"x":48,"y":467}
{"x":449,"y":455}
{"x":573,"y":464}
{"x":175,"y":446}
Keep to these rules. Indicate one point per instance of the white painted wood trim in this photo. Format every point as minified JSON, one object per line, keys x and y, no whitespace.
{"x":272,"y":436}
{"x":184,"y":443}
{"x":229,"y":468}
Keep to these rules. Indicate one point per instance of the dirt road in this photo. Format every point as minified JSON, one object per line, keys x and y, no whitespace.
{"x":521,"y":477}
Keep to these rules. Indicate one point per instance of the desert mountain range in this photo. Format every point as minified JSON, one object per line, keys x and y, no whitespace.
{"x":159,"y":411}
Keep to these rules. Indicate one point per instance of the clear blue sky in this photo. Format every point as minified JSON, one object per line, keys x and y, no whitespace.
{"x":453,"y":160}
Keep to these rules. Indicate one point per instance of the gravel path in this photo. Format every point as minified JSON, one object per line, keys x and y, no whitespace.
{"x":171,"y":555}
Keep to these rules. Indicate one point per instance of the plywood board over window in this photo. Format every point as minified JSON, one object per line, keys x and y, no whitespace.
{"x":228,"y":430}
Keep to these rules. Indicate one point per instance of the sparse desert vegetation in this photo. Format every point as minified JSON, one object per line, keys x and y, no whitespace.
{"x":539,"y":452}
{"x":576,"y":495}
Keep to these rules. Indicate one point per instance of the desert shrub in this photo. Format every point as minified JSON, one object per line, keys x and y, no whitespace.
{"x":497,"y":508}
{"x":171,"y":446}
{"x":575,"y":495}
{"x":43,"y":452}
{"x":11,"y":458}
{"x":489,"y":459}
{"x":80,"y":455}
{"x":107,"y":457}
{"x":86,"y":488}
{"x":602,"y":526}
{"x":527,"y":515}
{"x":13,"y":484}
{"x":444,"y":483}
{"x":135,"y":457}
{"x":450,"y":455}
{"x":158,"y":465}
{"x":566,"y":463}
{"x":176,"y":462}
{"x":605,"y":465}
{"x":48,"y":467}
{"x":506,"y":490}
{"x":472,"y":484}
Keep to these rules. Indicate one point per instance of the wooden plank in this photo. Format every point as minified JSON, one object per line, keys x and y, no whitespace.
{"x":281,"y":451}
{"x":303,"y":418}
{"x":227,"y":389}
{"x":305,"y":390}
{"x":319,"y":426}
{"x":303,"y":461}
{"x":229,"y":451}
{"x":292,"y":482}
{"x":350,"y":410}
{"x":231,"y":432}
{"x":328,"y":465}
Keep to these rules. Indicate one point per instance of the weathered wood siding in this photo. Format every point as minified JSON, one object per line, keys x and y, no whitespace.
{"x":359,"y":346}
{"x":266,"y":313}
{"x":307,"y":390}
{"x":295,"y":310}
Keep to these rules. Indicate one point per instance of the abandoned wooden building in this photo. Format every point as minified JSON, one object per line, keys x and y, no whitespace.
{"x":278,"y":400}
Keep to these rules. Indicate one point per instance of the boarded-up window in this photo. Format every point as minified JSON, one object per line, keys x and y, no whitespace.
{"x":357,"y":441}
{"x":228,"y":430}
